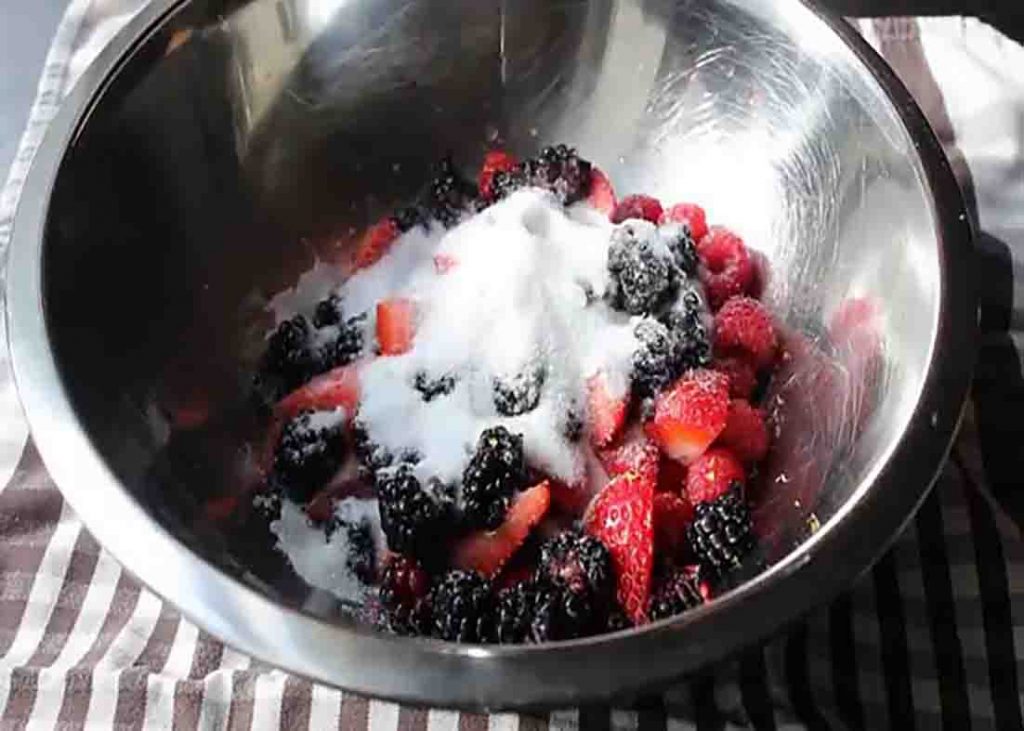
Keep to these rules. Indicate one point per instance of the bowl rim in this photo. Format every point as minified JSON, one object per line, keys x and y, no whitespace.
{"x":467,"y":676}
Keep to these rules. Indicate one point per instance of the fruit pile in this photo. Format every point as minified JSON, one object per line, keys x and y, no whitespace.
{"x":517,"y":542}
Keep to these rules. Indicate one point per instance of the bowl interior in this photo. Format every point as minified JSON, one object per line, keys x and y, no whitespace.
{"x":242,"y":143}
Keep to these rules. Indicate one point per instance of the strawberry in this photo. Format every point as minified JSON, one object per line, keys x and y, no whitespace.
{"x":742,"y":376}
{"x":690,"y":414}
{"x":712,"y":475}
{"x":339,"y":387}
{"x":745,"y":433}
{"x":605,"y":413}
{"x":569,"y":498}
{"x":727,"y":270}
{"x":395,"y":326}
{"x":375,"y":242}
{"x":637,"y":206}
{"x":444,"y":263}
{"x":495,"y":161}
{"x":487,"y":551}
{"x":744,"y":327}
{"x":636,"y":455}
{"x":602,"y":194}
{"x":672,"y":514}
{"x":691,"y":215}
{"x":621,"y":517}
{"x":671,"y":475}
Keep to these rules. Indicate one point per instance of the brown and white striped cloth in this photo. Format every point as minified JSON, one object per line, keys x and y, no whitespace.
{"x":934,"y":634}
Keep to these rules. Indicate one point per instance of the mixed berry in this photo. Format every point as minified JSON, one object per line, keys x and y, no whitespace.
{"x":647,"y":511}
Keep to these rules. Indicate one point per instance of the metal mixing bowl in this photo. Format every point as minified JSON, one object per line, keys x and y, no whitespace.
{"x":215,"y":146}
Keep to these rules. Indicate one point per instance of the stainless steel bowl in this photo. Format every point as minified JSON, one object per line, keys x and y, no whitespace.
{"x":215,"y":146}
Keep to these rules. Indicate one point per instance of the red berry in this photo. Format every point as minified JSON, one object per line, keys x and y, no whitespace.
{"x":671,"y":475}
{"x":742,"y":376}
{"x":602,"y":194}
{"x":690,"y":414}
{"x":637,"y":455}
{"x":727,"y":270}
{"x":339,"y":387}
{"x":621,"y":517}
{"x":672,"y":514}
{"x":375,"y":242}
{"x":745,"y":432}
{"x":637,"y":206}
{"x":487,"y":551}
{"x":744,"y":327}
{"x":690,"y":214}
{"x":395,"y":326}
{"x":496,"y":161}
{"x":605,"y":413}
{"x":712,"y":475}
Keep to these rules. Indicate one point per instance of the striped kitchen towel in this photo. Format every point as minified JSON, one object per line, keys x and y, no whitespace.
{"x":933,"y":635}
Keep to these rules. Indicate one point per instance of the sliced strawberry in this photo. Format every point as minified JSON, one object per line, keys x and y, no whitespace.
{"x":487,"y":551}
{"x":745,"y":433}
{"x":621,"y":517}
{"x":605,"y":413}
{"x":602,"y":194}
{"x":638,"y":455}
{"x":495,"y":161}
{"x":637,"y":206}
{"x":568,"y":498}
{"x":672,"y":514}
{"x":744,"y":328}
{"x":691,"y":215}
{"x":712,"y":475}
{"x":690,"y":414}
{"x":375,"y":242}
{"x":742,"y":375}
{"x":444,"y":263}
{"x":339,"y":387}
{"x":395,"y":326}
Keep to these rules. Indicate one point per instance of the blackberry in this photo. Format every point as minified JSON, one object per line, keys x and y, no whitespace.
{"x":679,"y":591}
{"x":450,"y":193}
{"x":515,"y":608}
{"x":572,"y":426}
{"x":506,"y":182}
{"x":373,"y":457}
{"x":344,"y":347}
{"x":656,"y":362}
{"x":643,"y":275}
{"x":496,"y":470}
{"x":362,"y":553}
{"x":560,"y":170}
{"x":409,"y":218}
{"x":578,"y":563}
{"x":289,"y":360}
{"x":680,"y":242}
{"x":414,"y":523}
{"x":685,"y":320}
{"x":463,"y":606}
{"x":309,"y":452}
{"x":617,"y":621}
{"x":521,"y":393}
{"x":431,"y":388}
{"x":534,"y":611}
{"x":327,"y":312}
{"x":720,"y":534}
{"x":405,"y":597}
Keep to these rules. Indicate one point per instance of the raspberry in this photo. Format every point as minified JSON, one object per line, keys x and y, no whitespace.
{"x":309,"y":452}
{"x":745,"y":433}
{"x":643,"y":275}
{"x":463,"y":608}
{"x":742,"y":376}
{"x":637,"y":206}
{"x":494,"y":473}
{"x":720,"y":534}
{"x":689,"y":214}
{"x":681,"y":590}
{"x":713,"y":474}
{"x":727,"y":269}
{"x":744,"y":327}
{"x":404,"y":596}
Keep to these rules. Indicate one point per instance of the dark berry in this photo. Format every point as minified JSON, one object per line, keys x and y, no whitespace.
{"x":685,"y":320}
{"x":309,"y":452}
{"x":562,"y":614}
{"x":342,"y":343}
{"x":561,"y":171}
{"x":495,"y":472}
{"x":290,"y":359}
{"x":431,"y":388}
{"x":676,"y":592}
{"x":506,"y":182}
{"x":519,"y":394}
{"x":362,"y":553}
{"x":572,"y":426}
{"x":720,"y":534}
{"x":373,"y":457}
{"x":655,"y":361}
{"x":415,"y":523}
{"x":515,"y":608}
{"x":463,"y":608}
{"x":450,"y":193}
{"x":643,"y":275}
{"x":409,"y":218}
{"x":680,"y":242}
{"x":327,"y":312}
{"x":405,"y":597}
{"x":579,"y":563}
{"x":617,"y":621}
